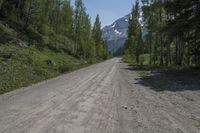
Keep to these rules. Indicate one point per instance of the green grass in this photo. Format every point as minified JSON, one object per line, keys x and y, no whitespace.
{"x":143,"y":59}
{"x":20,"y":67}
{"x":5,"y":29}
{"x":24,"y":62}
{"x":144,"y":68}
{"x":143,"y":73}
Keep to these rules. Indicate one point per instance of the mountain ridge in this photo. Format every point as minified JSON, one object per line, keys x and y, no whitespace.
{"x":115,"y":35}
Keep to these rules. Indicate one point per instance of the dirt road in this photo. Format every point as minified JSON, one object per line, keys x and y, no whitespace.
{"x":103,"y":98}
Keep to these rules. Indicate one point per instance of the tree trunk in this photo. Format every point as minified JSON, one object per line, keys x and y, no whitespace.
{"x":161,"y":52}
{"x":161,"y":37}
{"x":21,"y":8}
{"x":176,"y":50}
{"x":150,"y":49}
{"x":188,"y":54}
{"x":179,"y":55}
{"x":168,"y":54}
{"x":1,"y":2}
{"x":28,"y":16}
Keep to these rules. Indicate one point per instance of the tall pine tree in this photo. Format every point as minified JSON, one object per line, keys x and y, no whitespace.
{"x":133,"y":45}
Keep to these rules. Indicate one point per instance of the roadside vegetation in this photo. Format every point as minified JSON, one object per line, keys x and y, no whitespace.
{"x":41,"y":39}
{"x":163,"y":43}
{"x":24,"y":66}
{"x":167,"y":36}
{"x":164,"y":33}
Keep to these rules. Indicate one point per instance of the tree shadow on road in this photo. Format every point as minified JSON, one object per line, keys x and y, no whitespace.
{"x":165,"y":79}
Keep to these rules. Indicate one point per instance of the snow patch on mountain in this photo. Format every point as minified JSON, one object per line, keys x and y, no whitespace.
{"x":117,"y":32}
{"x":113,"y":25}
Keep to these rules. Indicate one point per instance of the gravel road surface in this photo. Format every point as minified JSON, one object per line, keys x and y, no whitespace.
{"x":102,"y":98}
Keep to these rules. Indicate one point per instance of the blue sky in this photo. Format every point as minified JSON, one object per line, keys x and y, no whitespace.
{"x":109,"y":10}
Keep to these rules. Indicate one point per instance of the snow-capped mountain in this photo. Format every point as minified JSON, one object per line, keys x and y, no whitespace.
{"x":116,"y":34}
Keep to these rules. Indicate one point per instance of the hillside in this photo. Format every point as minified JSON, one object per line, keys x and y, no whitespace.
{"x":42,"y":39}
{"x":22,"y":64}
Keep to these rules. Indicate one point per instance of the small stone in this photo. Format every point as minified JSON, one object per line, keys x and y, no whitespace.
{"x":125,"y":107}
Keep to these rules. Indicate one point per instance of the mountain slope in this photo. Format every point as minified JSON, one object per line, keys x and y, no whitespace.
{"x":115,"y":35}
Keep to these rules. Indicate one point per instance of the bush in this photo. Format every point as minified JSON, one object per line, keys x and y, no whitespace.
{"x":60,"y":43}
{"x":129,"y":59}
{"x":64,"y":68}
{"x":4,"y":29}
{"x":144,"y":59}
{"x":34,"y":36}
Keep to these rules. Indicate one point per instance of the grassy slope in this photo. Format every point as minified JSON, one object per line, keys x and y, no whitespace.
{"x":21,"y":66}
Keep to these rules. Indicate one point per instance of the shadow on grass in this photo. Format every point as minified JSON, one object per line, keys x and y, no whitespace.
{"x":140,"y":68}
{"x":166,"y":79}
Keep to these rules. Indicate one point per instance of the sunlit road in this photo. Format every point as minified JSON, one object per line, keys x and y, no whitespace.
{"x":103,"y":98}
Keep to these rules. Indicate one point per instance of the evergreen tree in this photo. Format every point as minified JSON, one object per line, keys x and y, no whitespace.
{"x":97,"y":36}
{"x":78,"y":14}
{"x":134,"y":41}
{"x":100,"y":45}
{"x":172,"y":30}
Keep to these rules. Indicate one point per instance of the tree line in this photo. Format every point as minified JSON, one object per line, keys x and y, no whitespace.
{"x":57,"y":25}
{"x":169,"y":32}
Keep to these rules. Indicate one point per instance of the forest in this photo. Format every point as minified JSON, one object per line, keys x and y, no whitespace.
{"x":56,"y":25}
{"x":167,"y":35}
{"x":40,"y":39}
